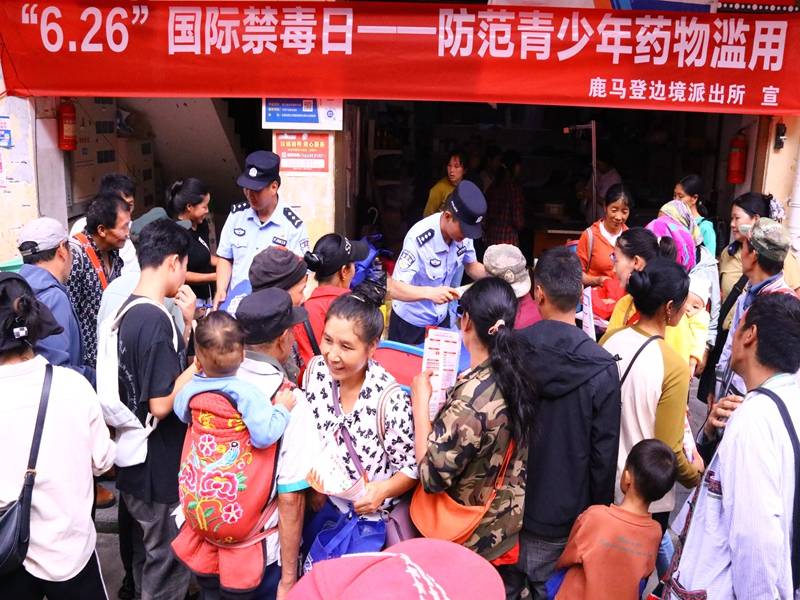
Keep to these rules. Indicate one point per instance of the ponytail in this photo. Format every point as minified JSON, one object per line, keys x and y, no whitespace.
{"x":693,"y":186}
{"x":667,"y":248}
{"x":492,"y":307}
{"x":638,"y":241}
{"x":662,"y":280}
{"x":184,"y":193}
{"x":362,"y":308}
{"x":23,"y":319}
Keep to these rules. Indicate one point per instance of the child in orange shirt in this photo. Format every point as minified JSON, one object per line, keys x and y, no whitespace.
{"x":612,"y":549}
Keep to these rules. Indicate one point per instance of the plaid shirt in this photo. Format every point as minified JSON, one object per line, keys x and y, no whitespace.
{"x":85,"y":291}
{"x":504,"y":214}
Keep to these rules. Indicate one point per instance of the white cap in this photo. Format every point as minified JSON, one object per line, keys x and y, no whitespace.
{"x":40,"y":235}
{"x":700,"y":287}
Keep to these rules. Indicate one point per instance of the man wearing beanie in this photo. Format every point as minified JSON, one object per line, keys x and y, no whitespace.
{"x":273,"y":267}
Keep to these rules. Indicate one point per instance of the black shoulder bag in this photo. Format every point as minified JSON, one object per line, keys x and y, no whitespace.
{"x":312,"y":338}
{"x":635,"y":356}
{"x":15,"y":518}
{"x":787,"y":421}
{"x":709,"y":377}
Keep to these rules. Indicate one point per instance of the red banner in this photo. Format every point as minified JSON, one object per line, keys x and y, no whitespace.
{"x":673,"y":61}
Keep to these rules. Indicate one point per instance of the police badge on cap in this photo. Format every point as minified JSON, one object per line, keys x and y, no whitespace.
{"x":468,"y":205}
{"x":261,"y":168}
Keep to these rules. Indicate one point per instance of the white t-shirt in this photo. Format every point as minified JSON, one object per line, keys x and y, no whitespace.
{"x":75,"y":446}
{"x":299,"y":444}
{"x":611,"y":237}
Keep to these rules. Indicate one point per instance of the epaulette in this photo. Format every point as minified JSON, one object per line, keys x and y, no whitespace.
{"x":239,"y":207}
{"x":293,"y":218}
{"x":425,"y":237}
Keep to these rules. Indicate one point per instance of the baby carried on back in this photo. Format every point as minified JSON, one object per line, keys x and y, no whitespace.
{"x":230,"y":451}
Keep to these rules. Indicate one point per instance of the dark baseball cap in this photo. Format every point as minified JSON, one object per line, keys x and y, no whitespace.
{"x":266,"y":314}
{"x":261,"y":168}
{"x":468,"y":205}
{"x":333,"y":251}
{"x":276,"y":267}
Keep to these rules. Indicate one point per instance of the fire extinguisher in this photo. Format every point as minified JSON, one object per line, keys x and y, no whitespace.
{"x":737,"y":159}
{"x":67,"y":129}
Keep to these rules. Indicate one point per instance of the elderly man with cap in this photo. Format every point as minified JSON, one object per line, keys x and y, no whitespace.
{"x":45,"y":250}
{"x":260,"y":222}
{"x":763,"y":254}
{"x":267,"y":316}
{"x":434,"y":250}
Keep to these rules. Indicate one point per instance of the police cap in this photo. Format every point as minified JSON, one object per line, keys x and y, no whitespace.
{"x":261,"y":168}
{"x":468,"y":205}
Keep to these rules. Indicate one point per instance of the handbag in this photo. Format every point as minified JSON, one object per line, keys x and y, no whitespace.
{"x":349,"y":534}
{"x":440,"y":516}
{"x":708,"y":379}
{"x":15,"y":518}
{"x":399,"y":526}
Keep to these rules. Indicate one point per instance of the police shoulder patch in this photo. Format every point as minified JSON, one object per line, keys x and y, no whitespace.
{"x":292,"y":216}
{"x":425,"y":237}
{"x":239,"y":207}
{"x":406,"y":259}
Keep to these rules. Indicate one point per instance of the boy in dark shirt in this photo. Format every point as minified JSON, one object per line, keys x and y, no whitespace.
{"x":152,"y":369}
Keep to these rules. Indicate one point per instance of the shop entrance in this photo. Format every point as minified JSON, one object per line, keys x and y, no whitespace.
{"x":406,"y":145}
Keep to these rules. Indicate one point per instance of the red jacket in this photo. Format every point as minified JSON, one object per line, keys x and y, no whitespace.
{"x":317,"y":306}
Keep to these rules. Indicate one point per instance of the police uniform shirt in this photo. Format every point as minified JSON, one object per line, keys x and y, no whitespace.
{"x":426,"y":260}
{"x":244,"y":236}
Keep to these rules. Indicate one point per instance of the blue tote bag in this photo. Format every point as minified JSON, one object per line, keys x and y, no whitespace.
{"x":349,"y":534}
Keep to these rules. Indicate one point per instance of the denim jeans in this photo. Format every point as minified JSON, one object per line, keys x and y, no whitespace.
{"x":665,"y":552}
{"x":537,"y":561}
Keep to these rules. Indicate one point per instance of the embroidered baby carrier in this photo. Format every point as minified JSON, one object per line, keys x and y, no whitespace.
{"x":225,"y":485}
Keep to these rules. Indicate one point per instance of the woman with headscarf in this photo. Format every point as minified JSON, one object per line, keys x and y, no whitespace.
{"x":705,"y":267}
{"x":675,"y":220}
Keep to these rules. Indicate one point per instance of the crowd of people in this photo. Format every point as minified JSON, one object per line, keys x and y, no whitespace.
{"x":261,"y":449}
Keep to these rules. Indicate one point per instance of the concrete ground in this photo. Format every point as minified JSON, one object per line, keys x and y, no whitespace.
{"x":108,"y":545}
{"x":108,"y":541}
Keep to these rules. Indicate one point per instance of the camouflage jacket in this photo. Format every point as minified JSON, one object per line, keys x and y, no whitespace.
{"x":465,"y":452}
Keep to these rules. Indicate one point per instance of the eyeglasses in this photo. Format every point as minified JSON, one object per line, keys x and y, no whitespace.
{"x":460,"y":311}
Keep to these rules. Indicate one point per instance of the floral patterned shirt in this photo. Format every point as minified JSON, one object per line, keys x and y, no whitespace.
{"x":380,"y":460}
{"x":85,"y":292}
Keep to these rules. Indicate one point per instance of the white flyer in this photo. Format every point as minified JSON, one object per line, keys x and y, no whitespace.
{"x":441,"y":354}
{"x":329,"y":476}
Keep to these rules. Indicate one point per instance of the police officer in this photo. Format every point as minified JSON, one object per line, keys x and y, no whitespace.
{"x":260,"y":222}
{"x":433,"y":251}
